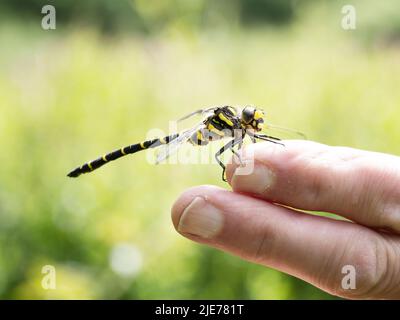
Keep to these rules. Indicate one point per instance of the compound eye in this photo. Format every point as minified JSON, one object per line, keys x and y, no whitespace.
{"x":248,"y":114}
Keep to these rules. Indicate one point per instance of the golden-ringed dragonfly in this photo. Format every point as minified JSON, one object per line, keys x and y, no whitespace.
{"x":217,"y":123}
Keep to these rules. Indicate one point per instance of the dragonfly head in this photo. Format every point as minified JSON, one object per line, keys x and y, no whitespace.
{"x":252,"y":118}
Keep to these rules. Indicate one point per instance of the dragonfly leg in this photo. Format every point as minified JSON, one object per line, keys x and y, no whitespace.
{"x":268,"y":138}
{"x":240,"y":145}
{"x":220,"y":163}
{"x":230,"y":146}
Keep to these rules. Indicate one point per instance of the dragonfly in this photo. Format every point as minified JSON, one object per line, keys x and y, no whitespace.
{"x":221,"y":122}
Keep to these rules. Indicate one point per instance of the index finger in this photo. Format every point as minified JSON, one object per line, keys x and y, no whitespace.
{"x":359,"y":185}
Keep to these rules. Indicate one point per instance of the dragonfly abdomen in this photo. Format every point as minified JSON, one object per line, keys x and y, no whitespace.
{"x":116,"y":154}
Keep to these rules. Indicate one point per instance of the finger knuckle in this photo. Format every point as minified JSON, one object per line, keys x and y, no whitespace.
{"x":368,"y":256}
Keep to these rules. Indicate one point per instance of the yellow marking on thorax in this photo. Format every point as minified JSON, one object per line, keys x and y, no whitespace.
{"x":215,"y":130}
{"x":225,"y":119}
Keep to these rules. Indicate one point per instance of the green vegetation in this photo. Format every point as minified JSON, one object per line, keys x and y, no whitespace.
{"x":74,"y":93}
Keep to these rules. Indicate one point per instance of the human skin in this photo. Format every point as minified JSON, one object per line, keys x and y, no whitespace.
{"x":263,"y":220}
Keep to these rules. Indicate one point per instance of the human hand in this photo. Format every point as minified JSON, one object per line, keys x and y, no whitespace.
{"x":255,"y":221}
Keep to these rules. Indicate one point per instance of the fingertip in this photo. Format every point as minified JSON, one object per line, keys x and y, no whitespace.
{"x":187,"y":197}
{"x":254,"y":172}
{"x":263,"y":163}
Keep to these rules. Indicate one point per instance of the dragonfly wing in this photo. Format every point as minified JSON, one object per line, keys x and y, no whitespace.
{"x":166,"y":150}
{"x":283,"y":133}
{"x":200,"y":111}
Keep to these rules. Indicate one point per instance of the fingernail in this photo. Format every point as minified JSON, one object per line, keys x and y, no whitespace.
{"x":257,"y":181}
{"x":200,"y":218}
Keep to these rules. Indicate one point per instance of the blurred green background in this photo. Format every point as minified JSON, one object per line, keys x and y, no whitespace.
{"x":111,"y":71}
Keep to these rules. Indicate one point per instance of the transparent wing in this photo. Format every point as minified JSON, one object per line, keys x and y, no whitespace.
{"x":203,"y":112}
{"x":282,"y":132}
{"x":166,"y":150}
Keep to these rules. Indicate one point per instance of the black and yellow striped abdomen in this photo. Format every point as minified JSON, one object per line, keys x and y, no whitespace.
{"x":116,"y":154}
